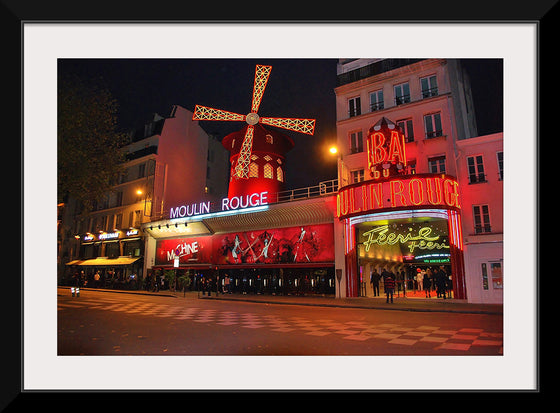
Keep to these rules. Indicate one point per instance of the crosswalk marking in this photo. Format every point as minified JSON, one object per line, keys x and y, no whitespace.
{"x":444,"y":339}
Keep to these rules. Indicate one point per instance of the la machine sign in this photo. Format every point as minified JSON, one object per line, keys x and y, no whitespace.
{"x":228,"y":204}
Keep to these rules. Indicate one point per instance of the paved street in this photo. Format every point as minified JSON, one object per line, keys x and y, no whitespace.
{"x":108,"y":323}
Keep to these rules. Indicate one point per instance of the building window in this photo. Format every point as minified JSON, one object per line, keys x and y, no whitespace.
{"x":436,"y":164}
{"x":429,"y":86}
{"x":354,"y":107}
{"x":402,"y":94}
{"x":476,"y":169}
{"x":356,"y":142}
{"x":268,"y":171}
{"x":141,"y":170}
{"x":376,"y":100}
{"x":118,"y":221}
{"x":410,"y":167}
{"x":137,"y":218}
{"x":406,"y":129}
{"x":269,"y":139}
{"x":358,"y":176}
{"x":500,"y":156}
{"x":110,"y":223}
{"x":432,"y":125}
{"x":481,"y":219}
{"x":280,"y":174}
{"x":253,"y":170}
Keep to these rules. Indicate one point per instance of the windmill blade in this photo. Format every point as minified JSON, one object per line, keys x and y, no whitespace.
{"x":242,"y":167}
{"x":306,"y":126}
{"x":261,"y":78}
{"x":206,"y":113}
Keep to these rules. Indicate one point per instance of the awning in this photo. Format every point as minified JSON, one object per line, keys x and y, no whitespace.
{"x":105,"y":261}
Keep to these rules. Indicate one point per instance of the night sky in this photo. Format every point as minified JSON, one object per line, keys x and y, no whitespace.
{"x":299,"y":88}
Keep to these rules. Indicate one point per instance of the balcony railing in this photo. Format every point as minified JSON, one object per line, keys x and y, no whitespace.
{"x":324,"y":188}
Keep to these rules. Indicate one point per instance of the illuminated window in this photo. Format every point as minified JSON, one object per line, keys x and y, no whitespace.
{"x":269,"y":139}
{"x":254,"y":157}
{"x":268,"y":171}
{"x":280,"y":174}
{"x":253,"y":170}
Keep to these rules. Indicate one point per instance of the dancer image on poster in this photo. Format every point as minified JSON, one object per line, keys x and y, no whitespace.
{"x":266,"y":245}
{"x":236,"y":248}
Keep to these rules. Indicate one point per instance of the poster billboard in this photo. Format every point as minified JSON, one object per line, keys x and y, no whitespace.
{"x":294,"y":245}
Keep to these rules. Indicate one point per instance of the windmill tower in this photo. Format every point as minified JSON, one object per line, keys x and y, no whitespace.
{"x":257,"y":154}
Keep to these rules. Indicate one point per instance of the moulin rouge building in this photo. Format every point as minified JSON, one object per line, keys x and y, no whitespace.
{"x":386,"y":210}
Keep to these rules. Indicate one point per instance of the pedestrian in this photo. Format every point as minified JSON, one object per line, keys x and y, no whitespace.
{"x":389,"y":286}
{"x":203,"y":285}
{"x":399,"y":281}
{"x":441,"y":281}
{"x":403,"y":277}
{"x":96,"y":278}
{"x":427,"y":284}
{"x":420,"y":279}
{"x":226,"y":285}
{"x":374,"y":280}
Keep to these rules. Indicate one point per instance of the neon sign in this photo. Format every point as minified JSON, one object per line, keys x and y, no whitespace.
{"x":409,"y":191}
{"x":228,"y":204}
{"x":385,"y":149}
{"x":109,"y":235}
{"x":423,"y":240}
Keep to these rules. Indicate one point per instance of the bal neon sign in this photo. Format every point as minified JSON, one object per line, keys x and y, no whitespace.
{"x":227,"y":204}
{"x":410,"y":191}
{"x":385,"y":149}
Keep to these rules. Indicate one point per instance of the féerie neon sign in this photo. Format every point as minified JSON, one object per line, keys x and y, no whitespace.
{"x":227,"y":204}
{"x":423,"y":240}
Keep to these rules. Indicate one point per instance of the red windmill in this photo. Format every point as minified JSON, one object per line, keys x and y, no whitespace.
{"x":257,"y":154}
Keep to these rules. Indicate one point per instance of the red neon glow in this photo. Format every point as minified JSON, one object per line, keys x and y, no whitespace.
{"x":386,"y":149}
{"x":410,"y":191}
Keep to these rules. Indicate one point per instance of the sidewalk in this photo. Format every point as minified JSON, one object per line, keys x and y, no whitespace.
{"x":399,"y":303}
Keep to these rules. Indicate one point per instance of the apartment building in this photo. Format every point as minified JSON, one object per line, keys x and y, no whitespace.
{"x":170,"y":160}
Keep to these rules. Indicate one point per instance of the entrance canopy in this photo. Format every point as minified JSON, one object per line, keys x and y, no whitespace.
{"x":105,"y":261}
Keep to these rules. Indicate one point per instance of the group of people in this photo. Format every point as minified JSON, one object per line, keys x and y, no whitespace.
{"x":425,"y":280}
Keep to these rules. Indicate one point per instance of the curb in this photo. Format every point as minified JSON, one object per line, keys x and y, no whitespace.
{"x":420,"y":306}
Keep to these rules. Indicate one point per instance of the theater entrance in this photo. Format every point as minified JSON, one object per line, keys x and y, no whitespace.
{"x":414,"y":246}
